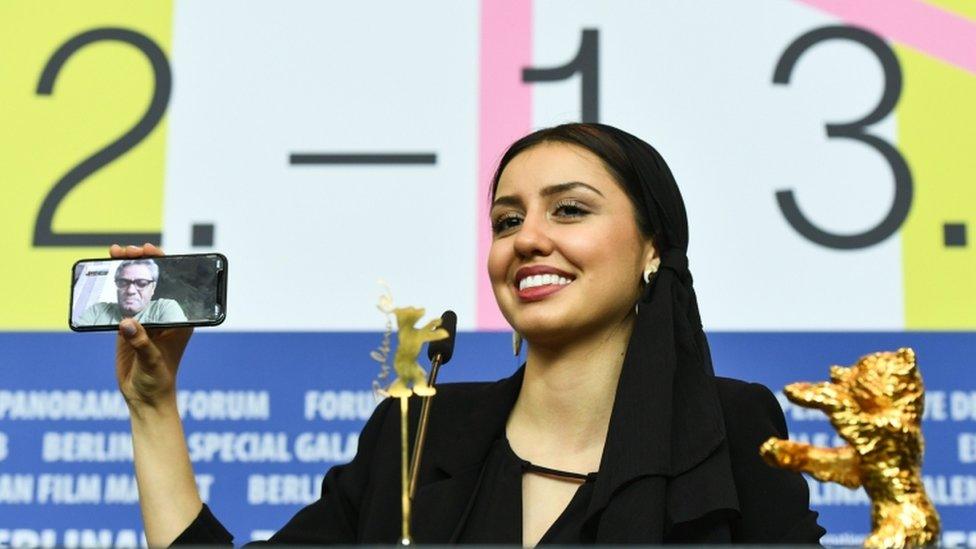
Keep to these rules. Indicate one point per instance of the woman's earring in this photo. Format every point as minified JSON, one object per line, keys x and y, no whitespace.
{"x":648,"y":273}
{"x":516,"y":343}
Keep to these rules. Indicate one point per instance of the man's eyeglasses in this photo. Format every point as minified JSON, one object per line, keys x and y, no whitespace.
{"x":124,"y":283}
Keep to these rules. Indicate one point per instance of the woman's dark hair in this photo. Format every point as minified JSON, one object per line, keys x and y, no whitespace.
{"x":596,"y":139}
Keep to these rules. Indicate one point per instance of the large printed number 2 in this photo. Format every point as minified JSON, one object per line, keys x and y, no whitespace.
{"x":853,"y":130}
{"x":44,"y":235}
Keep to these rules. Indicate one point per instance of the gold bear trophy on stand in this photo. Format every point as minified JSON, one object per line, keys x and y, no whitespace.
{"x":410,"y":379}
{"x":876,"y":406}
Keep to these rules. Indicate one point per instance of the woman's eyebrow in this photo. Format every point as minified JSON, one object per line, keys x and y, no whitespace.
{"x":568,"y":186}
{"x":507,"y":200}
{"x":511,"y":200}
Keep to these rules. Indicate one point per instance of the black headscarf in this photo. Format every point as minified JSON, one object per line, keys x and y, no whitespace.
{"x":667,"y":421}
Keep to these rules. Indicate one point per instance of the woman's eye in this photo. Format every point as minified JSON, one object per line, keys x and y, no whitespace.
{"x":506,"y":222}
{"x":570,"y":209}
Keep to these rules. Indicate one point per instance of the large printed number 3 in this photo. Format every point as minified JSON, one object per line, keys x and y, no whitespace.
{"x":44,"y":235}
{"x":853,"y":130}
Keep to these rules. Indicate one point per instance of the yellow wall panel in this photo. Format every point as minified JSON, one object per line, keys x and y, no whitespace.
{"x":936,"y":116}
{"x":965,"y":8}
{"x":100,"y":92}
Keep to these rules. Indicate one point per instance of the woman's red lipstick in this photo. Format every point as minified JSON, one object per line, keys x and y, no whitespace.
{"x":545,"y":281}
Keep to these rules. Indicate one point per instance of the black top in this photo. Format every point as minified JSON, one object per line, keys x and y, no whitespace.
{"x":729,"y":496}
{"x":496,"y":515}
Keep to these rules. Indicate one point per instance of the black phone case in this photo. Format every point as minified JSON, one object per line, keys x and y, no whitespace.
{"x":221,"y":298}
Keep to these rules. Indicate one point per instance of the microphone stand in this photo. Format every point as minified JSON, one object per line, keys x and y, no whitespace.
{"x":421,"y":436}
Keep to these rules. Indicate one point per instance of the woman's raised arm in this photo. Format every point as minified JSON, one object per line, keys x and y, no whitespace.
{"x":146,"y":362}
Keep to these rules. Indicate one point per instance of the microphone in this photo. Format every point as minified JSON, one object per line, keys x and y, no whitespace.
{"x":443,"y":347}
{"x":439,"y":352}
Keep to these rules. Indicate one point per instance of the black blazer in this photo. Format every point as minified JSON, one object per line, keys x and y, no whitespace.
{"x":731,"y":496}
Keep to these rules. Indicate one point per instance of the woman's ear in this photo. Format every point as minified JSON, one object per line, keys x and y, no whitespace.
{"x":652,"y":261}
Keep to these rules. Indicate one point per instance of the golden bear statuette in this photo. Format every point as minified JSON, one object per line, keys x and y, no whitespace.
{"x":876,"y":406}
{"x":410,"y":375}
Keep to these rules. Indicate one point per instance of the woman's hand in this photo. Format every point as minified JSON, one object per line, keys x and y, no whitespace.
{"x":146,"y":361}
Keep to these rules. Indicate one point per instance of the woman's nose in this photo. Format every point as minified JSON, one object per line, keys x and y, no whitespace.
{"x":533,"y":237}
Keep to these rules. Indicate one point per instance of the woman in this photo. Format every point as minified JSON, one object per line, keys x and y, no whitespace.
{"x":614,"y":431}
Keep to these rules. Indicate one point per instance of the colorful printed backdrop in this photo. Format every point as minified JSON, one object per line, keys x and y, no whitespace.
{"x":824,"y":148}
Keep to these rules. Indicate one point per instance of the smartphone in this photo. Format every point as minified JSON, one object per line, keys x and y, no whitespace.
{"x":167,"y":291}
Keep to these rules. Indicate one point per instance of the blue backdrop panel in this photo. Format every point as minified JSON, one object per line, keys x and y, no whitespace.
{"x":268,"y":413}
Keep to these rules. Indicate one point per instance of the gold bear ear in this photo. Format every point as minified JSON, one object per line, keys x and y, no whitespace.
{"x":907,"y":354}
{"x":838,"y":373}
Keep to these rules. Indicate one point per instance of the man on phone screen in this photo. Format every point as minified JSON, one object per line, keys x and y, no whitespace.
{"x":135,"y":283}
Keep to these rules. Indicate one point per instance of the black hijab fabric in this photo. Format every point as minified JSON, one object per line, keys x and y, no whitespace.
{"x":667,"y":426}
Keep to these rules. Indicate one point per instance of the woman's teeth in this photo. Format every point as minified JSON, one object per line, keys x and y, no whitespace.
{"x":542,"y":280}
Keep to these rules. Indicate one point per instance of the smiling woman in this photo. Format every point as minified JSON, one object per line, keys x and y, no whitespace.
{"x":588,"y":264}
{"x":615,"y":430}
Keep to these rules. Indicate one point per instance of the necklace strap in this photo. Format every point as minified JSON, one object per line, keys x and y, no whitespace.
{"x":528,"y":467}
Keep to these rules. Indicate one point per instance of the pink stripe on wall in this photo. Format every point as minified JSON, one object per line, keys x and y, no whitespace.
{"x":922,"y":26}
{"x":505,"y":114}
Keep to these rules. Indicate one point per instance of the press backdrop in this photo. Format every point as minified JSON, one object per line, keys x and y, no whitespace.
{"x":824,"y":149}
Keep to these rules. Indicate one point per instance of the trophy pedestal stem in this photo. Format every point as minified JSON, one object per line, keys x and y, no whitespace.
{"x":404,"y":470}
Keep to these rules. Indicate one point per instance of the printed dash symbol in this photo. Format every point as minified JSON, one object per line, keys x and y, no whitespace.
{"x":361,"y":159}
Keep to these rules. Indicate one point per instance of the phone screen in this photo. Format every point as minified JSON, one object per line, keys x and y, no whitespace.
{"x":175,"y":290}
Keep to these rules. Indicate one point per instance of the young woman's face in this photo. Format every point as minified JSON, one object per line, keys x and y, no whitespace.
{"x":567,"y":255}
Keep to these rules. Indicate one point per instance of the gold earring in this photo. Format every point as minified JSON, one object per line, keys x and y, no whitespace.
{"x":516,"y":343}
